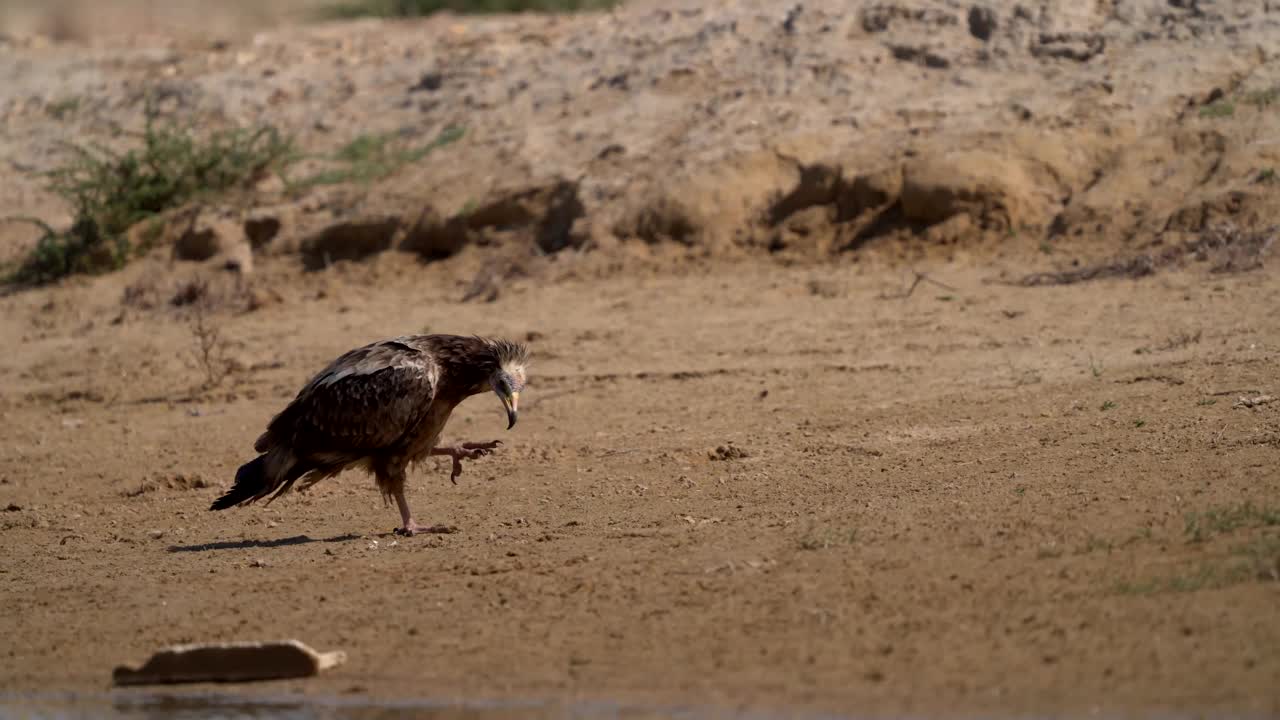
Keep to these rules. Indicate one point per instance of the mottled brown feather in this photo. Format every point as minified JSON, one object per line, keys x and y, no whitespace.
{"x":366,"y":400}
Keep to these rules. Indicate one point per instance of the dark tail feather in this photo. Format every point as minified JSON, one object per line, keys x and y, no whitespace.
{"x":251,"y":482}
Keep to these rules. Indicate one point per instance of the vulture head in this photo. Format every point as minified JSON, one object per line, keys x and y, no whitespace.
{"x":508,"y":376}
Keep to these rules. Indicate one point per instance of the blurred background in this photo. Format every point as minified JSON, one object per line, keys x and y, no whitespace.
{"x":84,"y":20}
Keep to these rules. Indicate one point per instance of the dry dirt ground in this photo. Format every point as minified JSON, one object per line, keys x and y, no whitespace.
{"x":752,"y":471}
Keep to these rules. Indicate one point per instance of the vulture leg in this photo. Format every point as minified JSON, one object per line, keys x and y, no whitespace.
{"x":465,"y":451}
{"x":407,"y":525}
{"x":391,"y":482}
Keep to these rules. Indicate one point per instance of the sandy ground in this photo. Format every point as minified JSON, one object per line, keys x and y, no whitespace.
{"x":751,"y":471}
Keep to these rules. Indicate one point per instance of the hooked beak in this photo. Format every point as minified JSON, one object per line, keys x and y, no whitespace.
{"x":511,"y":402}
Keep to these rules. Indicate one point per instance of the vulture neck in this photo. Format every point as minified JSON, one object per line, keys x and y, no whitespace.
{"x":463,"y":374}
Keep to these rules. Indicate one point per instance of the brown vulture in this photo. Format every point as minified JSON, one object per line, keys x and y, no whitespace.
{"x":381,"y":407}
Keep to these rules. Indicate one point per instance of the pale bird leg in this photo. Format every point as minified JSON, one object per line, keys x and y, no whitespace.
{"x":465,"y":451}
{"x":407,"y":525}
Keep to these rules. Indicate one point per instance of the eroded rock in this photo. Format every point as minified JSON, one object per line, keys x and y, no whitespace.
{"x":434,"y":237}
{"x":993,"y":189}
{"x":207,"y":238}
{"x":349,"y":240}
{"x":982,"y":22}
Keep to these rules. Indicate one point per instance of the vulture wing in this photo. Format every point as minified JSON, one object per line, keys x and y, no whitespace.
{"x":367,"y":400}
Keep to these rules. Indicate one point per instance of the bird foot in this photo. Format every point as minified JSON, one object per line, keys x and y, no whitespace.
{"x":412,"y":528}
{"x":465,"y":451}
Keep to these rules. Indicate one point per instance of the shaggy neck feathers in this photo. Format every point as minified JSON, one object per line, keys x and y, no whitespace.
{"x":467,"y":363}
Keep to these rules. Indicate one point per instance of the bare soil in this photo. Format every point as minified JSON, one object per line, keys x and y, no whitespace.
{"x":798,"y":437}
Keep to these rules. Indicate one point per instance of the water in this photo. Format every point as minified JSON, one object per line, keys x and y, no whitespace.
{"x":129,"y":705}
{"x":134,"y":705}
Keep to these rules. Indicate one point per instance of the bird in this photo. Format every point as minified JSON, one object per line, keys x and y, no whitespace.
{"x":381,"y":407}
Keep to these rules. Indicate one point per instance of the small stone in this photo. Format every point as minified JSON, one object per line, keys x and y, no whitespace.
{"x":429,"y":82}
{"x":982,"y":22}
{"x":728,"y":452}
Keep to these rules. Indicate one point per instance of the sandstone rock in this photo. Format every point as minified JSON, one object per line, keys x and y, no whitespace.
{"x":433,"y":237}
{"x":871,"y":191}
{"x":207,"y":238}
{"x":982,"y":22}
{"x":995,"y":190}
{"x":709,"y":205}
{"x":262,"y":226}
{"x":349,"y":240}
{"x":238,"y":259}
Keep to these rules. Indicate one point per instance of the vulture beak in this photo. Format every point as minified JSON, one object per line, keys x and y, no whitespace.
{"x":511,"y":402}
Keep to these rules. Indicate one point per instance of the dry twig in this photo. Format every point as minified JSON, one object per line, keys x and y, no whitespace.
{"x":210,"y":350}
{"x":1231,"y":249}
{"x":919,"y":278}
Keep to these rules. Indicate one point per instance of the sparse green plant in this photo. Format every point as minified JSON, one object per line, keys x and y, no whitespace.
{"x":1267,"y":175}
{"x":1139,"y":423}
{"x":1136,"y":587}
{"x":1094,"y":543}
{"x":64,"y":108}
{"x":946,"y":298}
{"x":1206,"y":577}
{"x":1049,"y":552}
{"x":1107,"y":405}
{"x":1258,"y":559}
{"x":1218,"y":109}
{"x":1201,"y":526}
{"x":1046,"y":247}
{"x":1263,"y":98}
{"x":1173,"y":342}
{"x":826,"y":537}
{"x":1181,"y":340}
{"x":1020,"y":491}
{"x":1144,"y":533}
{"x":1205,"y":402}
{"x":369,"y":157}
{"x":1262,"y":554}
{"x":1095,"y":367}
{"x":110,"y":191}
{"x":419,"y":8}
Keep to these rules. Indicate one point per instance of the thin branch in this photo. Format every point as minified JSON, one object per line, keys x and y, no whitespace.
{"x":919,"y":278}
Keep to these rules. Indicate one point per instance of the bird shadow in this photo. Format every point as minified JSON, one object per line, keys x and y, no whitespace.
{"x":433,"y":530}
{"x":244,"y":544}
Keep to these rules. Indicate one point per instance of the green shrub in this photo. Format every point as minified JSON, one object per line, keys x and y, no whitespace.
{"x":109,"y":192}
{"x":372,"y":157}
{"x":419,"y":8}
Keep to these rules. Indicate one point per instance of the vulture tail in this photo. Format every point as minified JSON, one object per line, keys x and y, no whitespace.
{"x":253,"y":482}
